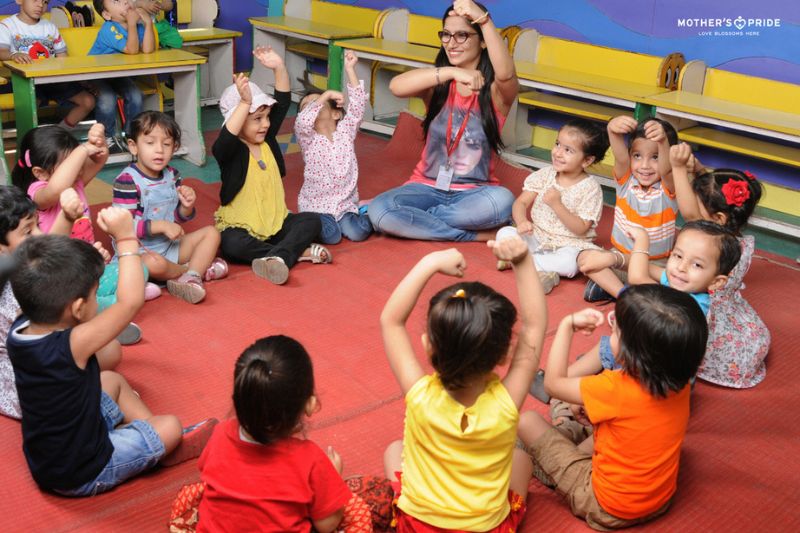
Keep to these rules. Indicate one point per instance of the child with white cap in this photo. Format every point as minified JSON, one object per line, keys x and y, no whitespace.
{"x":255,"y":224}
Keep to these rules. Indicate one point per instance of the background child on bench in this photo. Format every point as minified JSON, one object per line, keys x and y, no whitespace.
{"x":126,"y":30}
{"x":154,"y":194}
{"x":564,"y":202}
{"x":326,"y":135}
{"x":25,"y":37}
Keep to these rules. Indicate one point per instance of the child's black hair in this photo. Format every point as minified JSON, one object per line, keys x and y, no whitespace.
{"x":488,"y":119}
{"x":469,"y":334}
{"x":15,"y":206}
{"x":41,"y":147}
{"x":51,"y":272}
{"x":595,"y":137}
{"x":272,"y":382}
{"x":708,"y":187}
{"x":663,"y":334}
{"x":669,"y":131}
{"x":99,"y":6}
{"x":730,"y":251}
{"x":146,"y":121}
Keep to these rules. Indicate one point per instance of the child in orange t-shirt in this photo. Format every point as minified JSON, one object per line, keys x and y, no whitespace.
{"x":626,"y":473}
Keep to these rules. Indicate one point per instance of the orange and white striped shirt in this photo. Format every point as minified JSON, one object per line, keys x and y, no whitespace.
{"x":654,"y":208}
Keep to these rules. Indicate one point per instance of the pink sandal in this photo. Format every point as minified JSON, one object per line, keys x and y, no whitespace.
{"x":217,"y":270}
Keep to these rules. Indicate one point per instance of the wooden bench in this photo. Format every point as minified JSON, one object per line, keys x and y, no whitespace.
{"x":305,"y":32}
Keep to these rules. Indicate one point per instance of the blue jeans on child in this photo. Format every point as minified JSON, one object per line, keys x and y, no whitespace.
{"x":137,"y":448}
{"x":418,"y":211}
{"x":105,"y":109}
{"x":606,"y":355}
{"x":354,"y":226}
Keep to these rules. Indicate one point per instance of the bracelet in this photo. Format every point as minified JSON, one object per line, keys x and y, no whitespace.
{"x":436,"y":71}
{"x":127,"y":239}
{"x":127,"y":254}
{"x":645,"y":252}
{"x":479,"y":21}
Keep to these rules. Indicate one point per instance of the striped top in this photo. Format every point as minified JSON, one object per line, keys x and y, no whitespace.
{"x":655,"y":209}
{"x":128,"y":195}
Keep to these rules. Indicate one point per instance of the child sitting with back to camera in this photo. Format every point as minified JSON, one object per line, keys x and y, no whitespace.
{"x":645,"y":197}
{"x":627,"y":472}
{"x":255,"y":224}
{"x":260,"y":471}
{"x":72,"y":411}
{"x":457,"y":465}
{"x":154,"y":194}
{"x":326,"y":134}
{"x":738,"y":340}
{"x":564,"y":202}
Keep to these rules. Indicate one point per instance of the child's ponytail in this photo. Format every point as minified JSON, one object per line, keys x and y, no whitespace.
{"x":42,"y":147}
{"x":730,"y":192}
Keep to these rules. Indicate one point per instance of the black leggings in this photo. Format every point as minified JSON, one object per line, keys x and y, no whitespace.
{"x":297,"y":233}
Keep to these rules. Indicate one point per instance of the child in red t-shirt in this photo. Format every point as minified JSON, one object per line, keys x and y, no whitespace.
{"x":260,"y":474}
{"x":626,"y":472}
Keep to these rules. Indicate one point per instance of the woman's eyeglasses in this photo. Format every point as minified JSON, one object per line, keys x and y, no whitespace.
{"x":460,"y":36}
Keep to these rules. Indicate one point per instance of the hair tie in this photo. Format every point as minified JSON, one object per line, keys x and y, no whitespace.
{"x":736,"y":192}
{"x":750,"y":175}
{"x":28,"y":158}
{"x":460,"y":293}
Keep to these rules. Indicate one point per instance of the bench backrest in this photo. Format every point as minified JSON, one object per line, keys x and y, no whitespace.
{"x":359,"y":18}
{"x":752,"y":90}
{"x":79,"y":40}
{"x":424,"y":30}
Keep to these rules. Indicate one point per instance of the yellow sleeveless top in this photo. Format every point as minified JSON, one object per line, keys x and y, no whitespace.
{"x":457,"y":479}
{"x":260,"y":206}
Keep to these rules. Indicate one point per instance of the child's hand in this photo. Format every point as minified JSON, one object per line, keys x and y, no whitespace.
{"x":525,"y":228}
{"x":350,"y":60}
{"x":469,"y":77}
{"x":144,"y":15}
{"x":512,"y":249}
{"x":579,"y":414}
{"x":268,"y":57}
{"x":97,"y":135}
{"x":172,"y":230}
{"x":621,"y":125}
{"x":335,"y":96}
{"x":551,"y":197}
{"x":103,"y":252}
{"x":243,"y":86}
{"x":71,"y":204}
{"x":187,"y":196}
{"x":449,"y":262}
{"x":22,"y":58}
{"x":335,"y":458}
{"x":117,"y":222}
{"x":466,"y":9}
{"x":654,"y":131}
{"x":637,"y":233}
{"x":586,"y":321}
{"x":679,"y":155}
{"x":132,"y":17}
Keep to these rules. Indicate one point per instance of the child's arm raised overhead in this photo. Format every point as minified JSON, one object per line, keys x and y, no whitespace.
{"x":356,"y":98}
{"x":556,"y":382}
{"x":533,"y":315}
{"x":65,"y":174}
{"x":640,"y":271}
{"x":239,"y":116}
{"x":97,"y":331}
{"x":618,"y":127}
{"x":396,"y":340}
{"x":96,"y":162}
{"x":655,"y":132}
{"x":688,"y":204}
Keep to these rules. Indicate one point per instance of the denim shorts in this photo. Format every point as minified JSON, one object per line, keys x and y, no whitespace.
{"x":606,"y":355}
{"x":137,"y":448}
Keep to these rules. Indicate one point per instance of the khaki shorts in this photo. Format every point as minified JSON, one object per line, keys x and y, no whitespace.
{"x":571,"y":471}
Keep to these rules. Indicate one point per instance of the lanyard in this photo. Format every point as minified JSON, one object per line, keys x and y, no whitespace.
{"x":452,"y":147}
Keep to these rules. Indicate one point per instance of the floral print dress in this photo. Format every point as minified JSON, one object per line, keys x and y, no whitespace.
{"x":9,"y":402}
{"x":738,"y":340}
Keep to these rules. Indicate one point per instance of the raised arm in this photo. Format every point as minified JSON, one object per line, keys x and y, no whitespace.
{"x":640,"y":272}
{"x":556,"y":382}
{"x":618,"y":127}
{"x":688,"y":204}
{"x":396,"y":340}
{"x":654,"y":131}
{"x":239,"y":116}
{"x":421,"y":82}
{"x":271,"y":60}
{"x":533,"y":316}
{"x":64,"y":176}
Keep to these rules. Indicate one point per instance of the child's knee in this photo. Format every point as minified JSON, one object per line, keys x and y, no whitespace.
{"x":532,"y":425}
{"x":111,"y":382}
{"x":169,"y":430}
{"x":156,"y":264}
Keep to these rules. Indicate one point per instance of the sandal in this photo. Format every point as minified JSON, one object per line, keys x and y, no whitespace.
{"x":271,"y":268}
{"x":568,"y":426}
{"x":316,"y":256}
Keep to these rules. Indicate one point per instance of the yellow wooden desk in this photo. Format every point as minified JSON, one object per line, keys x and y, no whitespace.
{"x":274,"y":31}
{"x":181,"y":65}
{"x":565,"y":81}
{"x":403,"y":53}
{"x":707,"y":109}
{"x":218,"y":74}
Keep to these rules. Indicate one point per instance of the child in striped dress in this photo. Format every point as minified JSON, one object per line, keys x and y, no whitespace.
{"x":645,"y":197}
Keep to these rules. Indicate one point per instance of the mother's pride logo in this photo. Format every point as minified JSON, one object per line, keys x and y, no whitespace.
{"x":729,"y":27}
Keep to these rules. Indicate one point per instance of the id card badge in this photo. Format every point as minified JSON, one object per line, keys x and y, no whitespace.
{"x":444,"y":177}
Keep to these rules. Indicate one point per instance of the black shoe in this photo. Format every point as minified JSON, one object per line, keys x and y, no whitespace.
{"x":114,"y":146}
{"x":596,"y":293}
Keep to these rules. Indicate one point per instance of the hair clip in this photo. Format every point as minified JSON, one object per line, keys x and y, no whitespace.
{"x":749,"y":175}
{"x":459,"y":294}
{"x":736,"y":192}
{"x":28,"y":158}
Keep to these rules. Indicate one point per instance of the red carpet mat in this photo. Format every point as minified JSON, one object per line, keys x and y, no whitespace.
{"x":740,"y":461}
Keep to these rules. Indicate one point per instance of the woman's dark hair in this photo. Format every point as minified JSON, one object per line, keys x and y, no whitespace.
{"x":669,"y":130}
{"x":595,"y":137}
{"x":146,"y":121}
{"x":663,"y":334}
{"x":730,"y":251}
{"x":52,"y":271}
{"x":469,"y":334}
{"x":15,"y":205}
{"x":441,"y":91}
{"x":708,"y":189}
{"x":41,"y":147}
{"x":272,"y":382}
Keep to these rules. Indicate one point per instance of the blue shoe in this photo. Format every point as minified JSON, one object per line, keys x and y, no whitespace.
{"x":596,"y":293}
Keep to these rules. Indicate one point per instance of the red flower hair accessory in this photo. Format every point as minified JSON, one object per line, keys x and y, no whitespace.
{"x":750,"y":175}
{"x":736,"y":192}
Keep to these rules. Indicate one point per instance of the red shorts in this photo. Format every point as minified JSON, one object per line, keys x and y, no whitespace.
{"x":404,"y":522}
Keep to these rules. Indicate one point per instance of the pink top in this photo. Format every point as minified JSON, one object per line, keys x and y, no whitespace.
{"x":473,"y":160}
{"x":47,"y":217}
{"x":330,"y":183}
